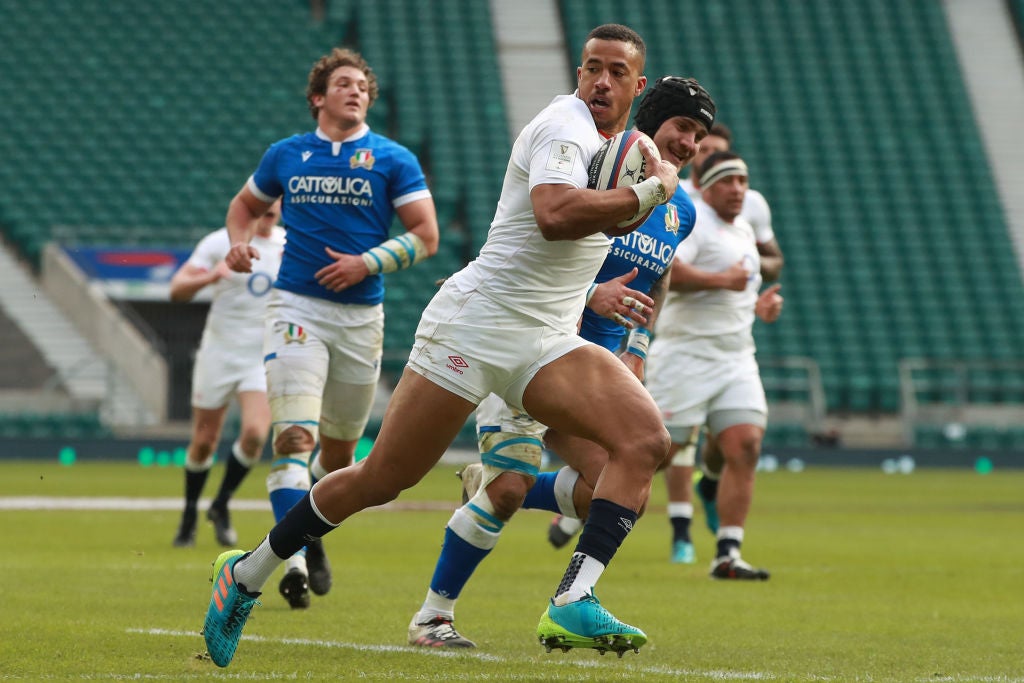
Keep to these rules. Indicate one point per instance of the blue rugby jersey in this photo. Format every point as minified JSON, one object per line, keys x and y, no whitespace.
{"x":337,"y":194}
{"x":650,"y":248}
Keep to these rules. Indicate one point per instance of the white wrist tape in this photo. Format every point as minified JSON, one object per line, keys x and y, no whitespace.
{"x":590,"y":292}
{"x":395,"y":254}
{"x":638,"y":342}
{"x":650,"y":192}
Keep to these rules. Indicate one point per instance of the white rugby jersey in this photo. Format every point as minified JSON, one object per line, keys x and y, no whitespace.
{"x":716,"y":322}
{"x":239,"y":300}
{"x":546,"y":281}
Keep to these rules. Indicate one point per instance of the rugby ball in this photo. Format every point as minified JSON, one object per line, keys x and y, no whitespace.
{"x":619,"y":163}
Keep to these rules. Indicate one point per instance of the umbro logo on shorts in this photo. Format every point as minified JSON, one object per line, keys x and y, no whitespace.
{"x":626,"y":524}
{"x":455,"y":363}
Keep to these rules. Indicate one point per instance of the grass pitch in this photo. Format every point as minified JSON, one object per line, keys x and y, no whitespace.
{"x":874,"y":578}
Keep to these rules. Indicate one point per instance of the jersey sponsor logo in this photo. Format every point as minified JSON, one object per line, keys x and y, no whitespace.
{"x":672,"y":219}
{"x":644,"y":251}
{"x":315,"y":189}
{"x":363,"y":158}
{"x":562,"y":156}
{"x":639,"y":261}
{"x":647,"y":246}
{"x":455,"y":363}
{"x":306,"y":155}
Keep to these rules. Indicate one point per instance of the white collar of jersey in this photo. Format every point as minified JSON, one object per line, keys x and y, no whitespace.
{"x":363,"y":130}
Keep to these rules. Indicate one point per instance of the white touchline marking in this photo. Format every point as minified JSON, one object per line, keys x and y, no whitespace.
{"x":434,"y":652}
{"x":328,"y":644}
{"x":110,"y":503}
{"x":124,"y":503}
{"x":712,"y":674}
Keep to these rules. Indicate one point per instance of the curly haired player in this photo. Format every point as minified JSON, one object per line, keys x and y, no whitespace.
{"x":341,"y":187}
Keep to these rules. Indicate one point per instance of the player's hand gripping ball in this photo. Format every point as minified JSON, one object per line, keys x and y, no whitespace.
{"x":619,"y":163}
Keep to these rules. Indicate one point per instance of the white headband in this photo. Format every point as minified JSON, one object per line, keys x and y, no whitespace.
{"x":722,"y":170}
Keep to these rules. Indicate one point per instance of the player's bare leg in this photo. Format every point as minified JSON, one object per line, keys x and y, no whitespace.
{"x":610,"y":407}
{"x":206,"y":427}
{"x":740,"y":446}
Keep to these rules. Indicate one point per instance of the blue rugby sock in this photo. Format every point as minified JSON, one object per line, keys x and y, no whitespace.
{"x":456,"y":563}
{"x":541,"y":495}
{"x":282,"y":500}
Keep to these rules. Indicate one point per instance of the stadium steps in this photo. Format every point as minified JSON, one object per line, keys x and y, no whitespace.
{"x":532,"y":57}
{"x":989,"y":35}
{"x":22,"y":366}
{"x":78,"y":367}
{"x":80,"y":378}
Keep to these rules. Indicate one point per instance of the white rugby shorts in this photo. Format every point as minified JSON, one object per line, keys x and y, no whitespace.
{"x":687,"y":388}
{"x":473,"y":346}
{"x":326,"y":350}
{"x":341,"y":342}
{"x":222,"y":370}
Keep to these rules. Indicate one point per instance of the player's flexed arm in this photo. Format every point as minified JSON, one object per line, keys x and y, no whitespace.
{"x":565,"y":212}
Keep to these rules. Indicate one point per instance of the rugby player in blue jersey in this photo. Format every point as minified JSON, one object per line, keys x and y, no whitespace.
{"x":629,"y":288}
{"x":341,"y":185}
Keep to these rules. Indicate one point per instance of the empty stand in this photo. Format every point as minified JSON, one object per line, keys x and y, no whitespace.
{"x":857,"y":127}
{"x":130,"y":124}
{"x":123,"y":123}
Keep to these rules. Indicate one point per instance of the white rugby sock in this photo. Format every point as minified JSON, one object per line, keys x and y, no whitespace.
{"x":680,"y":510}
{"x":435,"y":605}
{"x":586,"y":578}
{"x":570,"y":525}
{"x":317,"y":470}
{"x":253,"y":571}
{"x":565,"y":483}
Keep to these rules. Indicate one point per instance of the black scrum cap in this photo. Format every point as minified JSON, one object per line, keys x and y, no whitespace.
{"x":674,"y":96}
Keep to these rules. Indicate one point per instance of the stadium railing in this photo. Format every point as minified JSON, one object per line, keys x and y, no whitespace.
{"x":962,"y":403}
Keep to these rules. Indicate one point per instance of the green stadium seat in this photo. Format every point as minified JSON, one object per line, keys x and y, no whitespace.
{"x":880,"y":269}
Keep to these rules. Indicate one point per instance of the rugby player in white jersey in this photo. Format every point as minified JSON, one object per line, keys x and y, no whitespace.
{"x":229,"y":363}
{"x":679,"y":474}
{"x":506,"y":324}
{"x":342,"y":186}
{"x":676,"y":113}
{"x":701,"y":365}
